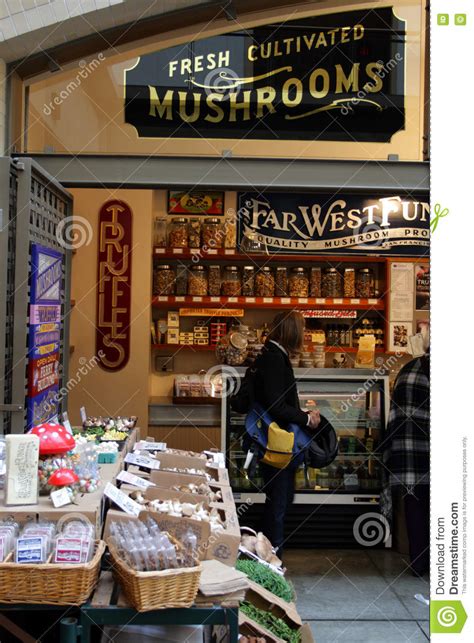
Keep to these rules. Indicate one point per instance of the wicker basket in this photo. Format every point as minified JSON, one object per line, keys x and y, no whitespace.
{"x":50,"y":583}
{"x":147,"y":591}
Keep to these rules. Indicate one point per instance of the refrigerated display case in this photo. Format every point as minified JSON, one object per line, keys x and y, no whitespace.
{"x":356,"y":402}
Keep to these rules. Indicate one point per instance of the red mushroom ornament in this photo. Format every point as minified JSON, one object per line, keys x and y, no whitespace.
{"x":66,"y":478}
{"x":54,"y":438}
{"x":55,"y":443}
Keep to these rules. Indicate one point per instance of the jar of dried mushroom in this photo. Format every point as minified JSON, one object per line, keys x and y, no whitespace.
{"x":265,"y":282}
{"x":194,"y":233}
{"x":315,"y":282}
{"x":231,"y":285}
{"x":248,"y":281}
{"x":212,"y":235}
{"x":159,"y":232}
{"x":181,"y":279}
{"x":331,"y":283}
{"x":197,"y":281}
{"x":214,"y":281}
{"x":164,"y":278}
{"x":365,"y":283}
{"x":178,"y":234}
{"x":281,"y":281}
{"x":349,"y":282}
{"x":230,"y":232}
{"x":298,"y":284}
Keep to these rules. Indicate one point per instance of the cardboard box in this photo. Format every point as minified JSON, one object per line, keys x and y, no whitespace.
{"x":222,"y":545}
{"x":169,"y":460}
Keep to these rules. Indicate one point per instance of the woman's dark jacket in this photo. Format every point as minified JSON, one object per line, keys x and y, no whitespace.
{"x":275,"y":387}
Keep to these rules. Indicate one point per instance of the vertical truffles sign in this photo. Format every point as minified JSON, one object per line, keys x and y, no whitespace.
{"x":114,"y":275}
{"x":337,"y":77}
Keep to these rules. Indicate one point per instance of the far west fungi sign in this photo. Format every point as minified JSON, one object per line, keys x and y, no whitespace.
{"x":337,"y":77}
{"x":328,"y":223}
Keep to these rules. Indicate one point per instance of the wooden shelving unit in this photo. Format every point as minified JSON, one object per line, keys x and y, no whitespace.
{"x":303,"y":303}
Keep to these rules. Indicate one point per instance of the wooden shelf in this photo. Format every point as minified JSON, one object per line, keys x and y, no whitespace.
{"x":209,"y":348}
{"x":163,"y":301}
{"x":234,"y":255}
{"x":174,"y":347}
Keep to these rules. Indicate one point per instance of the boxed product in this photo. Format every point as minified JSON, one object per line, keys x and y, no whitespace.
{"x":173,"y":319}
{"x":172,"y":336}
{"x":192,"y":466}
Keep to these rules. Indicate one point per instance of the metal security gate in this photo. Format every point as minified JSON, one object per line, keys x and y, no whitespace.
{"x":32,"y":206}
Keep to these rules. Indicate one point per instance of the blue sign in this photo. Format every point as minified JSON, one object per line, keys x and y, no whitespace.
{"x":45,"y":326}
{"x":334,"y":224}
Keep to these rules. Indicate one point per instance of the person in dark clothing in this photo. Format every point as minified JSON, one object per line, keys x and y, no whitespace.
{"x":275,"y":390}
{"x":407,"y":456}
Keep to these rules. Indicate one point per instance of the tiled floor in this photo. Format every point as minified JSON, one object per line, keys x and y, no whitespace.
{"x":359,"y":595}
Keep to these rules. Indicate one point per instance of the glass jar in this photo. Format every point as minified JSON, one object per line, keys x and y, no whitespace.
{"x":281,"y":281}
{"x":159,"y":232}
{"x":214,"y":281}
{"x":164,"y":279}
{"x":298,"y":284}
{"x":365,"y":282}
{"x":181,"y":280}
{"x":231,"y":284}
{"x":315,"y":282}
{"x":331,"y":283}
{"x":250,"y":243}
{"x":265,"y":282}
{"x":197,"y":281}
{"x":248,"y":281}
{"x":194,"y":233}
{"x":349,"y":282}
{"x":230,"y":240}
{"x":233,"y":348}
{"x":178,"y":234}
{"x":211,"y":233}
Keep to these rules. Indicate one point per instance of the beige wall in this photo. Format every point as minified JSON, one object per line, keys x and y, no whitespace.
{"x":90,"y":118}
{"x":126,"y":391}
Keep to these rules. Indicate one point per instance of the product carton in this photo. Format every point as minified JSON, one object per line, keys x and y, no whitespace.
{"x":168,"y":480}
{"x":221,"y":545}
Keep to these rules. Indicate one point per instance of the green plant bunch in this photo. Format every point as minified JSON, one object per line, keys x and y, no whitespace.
{"x":275,"y":625}
{"x":267,"y":578}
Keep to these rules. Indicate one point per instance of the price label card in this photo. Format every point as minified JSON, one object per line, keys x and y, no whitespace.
{"x":285,"y":300}
{"x":66,"y":423}
{"x":143,"y":445}
{"x":142,"y":461}
{"x":217,"y":458}
{"x":122,"y":500}
{"x":338,"y":301}
{"x":136,"y":481}
{"x":83,"y":413}
{"x":60,"y":497}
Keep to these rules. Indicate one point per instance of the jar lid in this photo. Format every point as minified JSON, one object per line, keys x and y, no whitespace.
{"x":232,"y":268}
{"x":330,"y":269}
{"x":163,"y":267}
{"x":348,"y":269}
{"x":180,"y":220}
{"x":198,"y":268}
{"x":211,"y":220}
{"x":249,"y":267}
{"x":365,"y":270}
{"x":238,"y":340}
{"x":298,"y":269}
{"x":281,"y":268}
{"x":266,"y":269}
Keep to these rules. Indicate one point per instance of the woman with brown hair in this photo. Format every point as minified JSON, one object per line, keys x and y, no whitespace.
{"x":275,"y":390}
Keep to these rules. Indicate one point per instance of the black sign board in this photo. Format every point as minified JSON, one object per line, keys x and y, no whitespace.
{"x":331,"y":224}
{"x":336,"y":77}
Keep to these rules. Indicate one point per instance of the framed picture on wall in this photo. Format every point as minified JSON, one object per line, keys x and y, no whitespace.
{"x":399,"y":332}
{"x":422,"y":286}
{"x":195,"y":202}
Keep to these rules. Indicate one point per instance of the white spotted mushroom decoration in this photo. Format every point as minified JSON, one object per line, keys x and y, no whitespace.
{"x":55,"y":444}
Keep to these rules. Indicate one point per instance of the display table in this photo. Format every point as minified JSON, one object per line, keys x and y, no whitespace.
{"x":108,"y":606}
